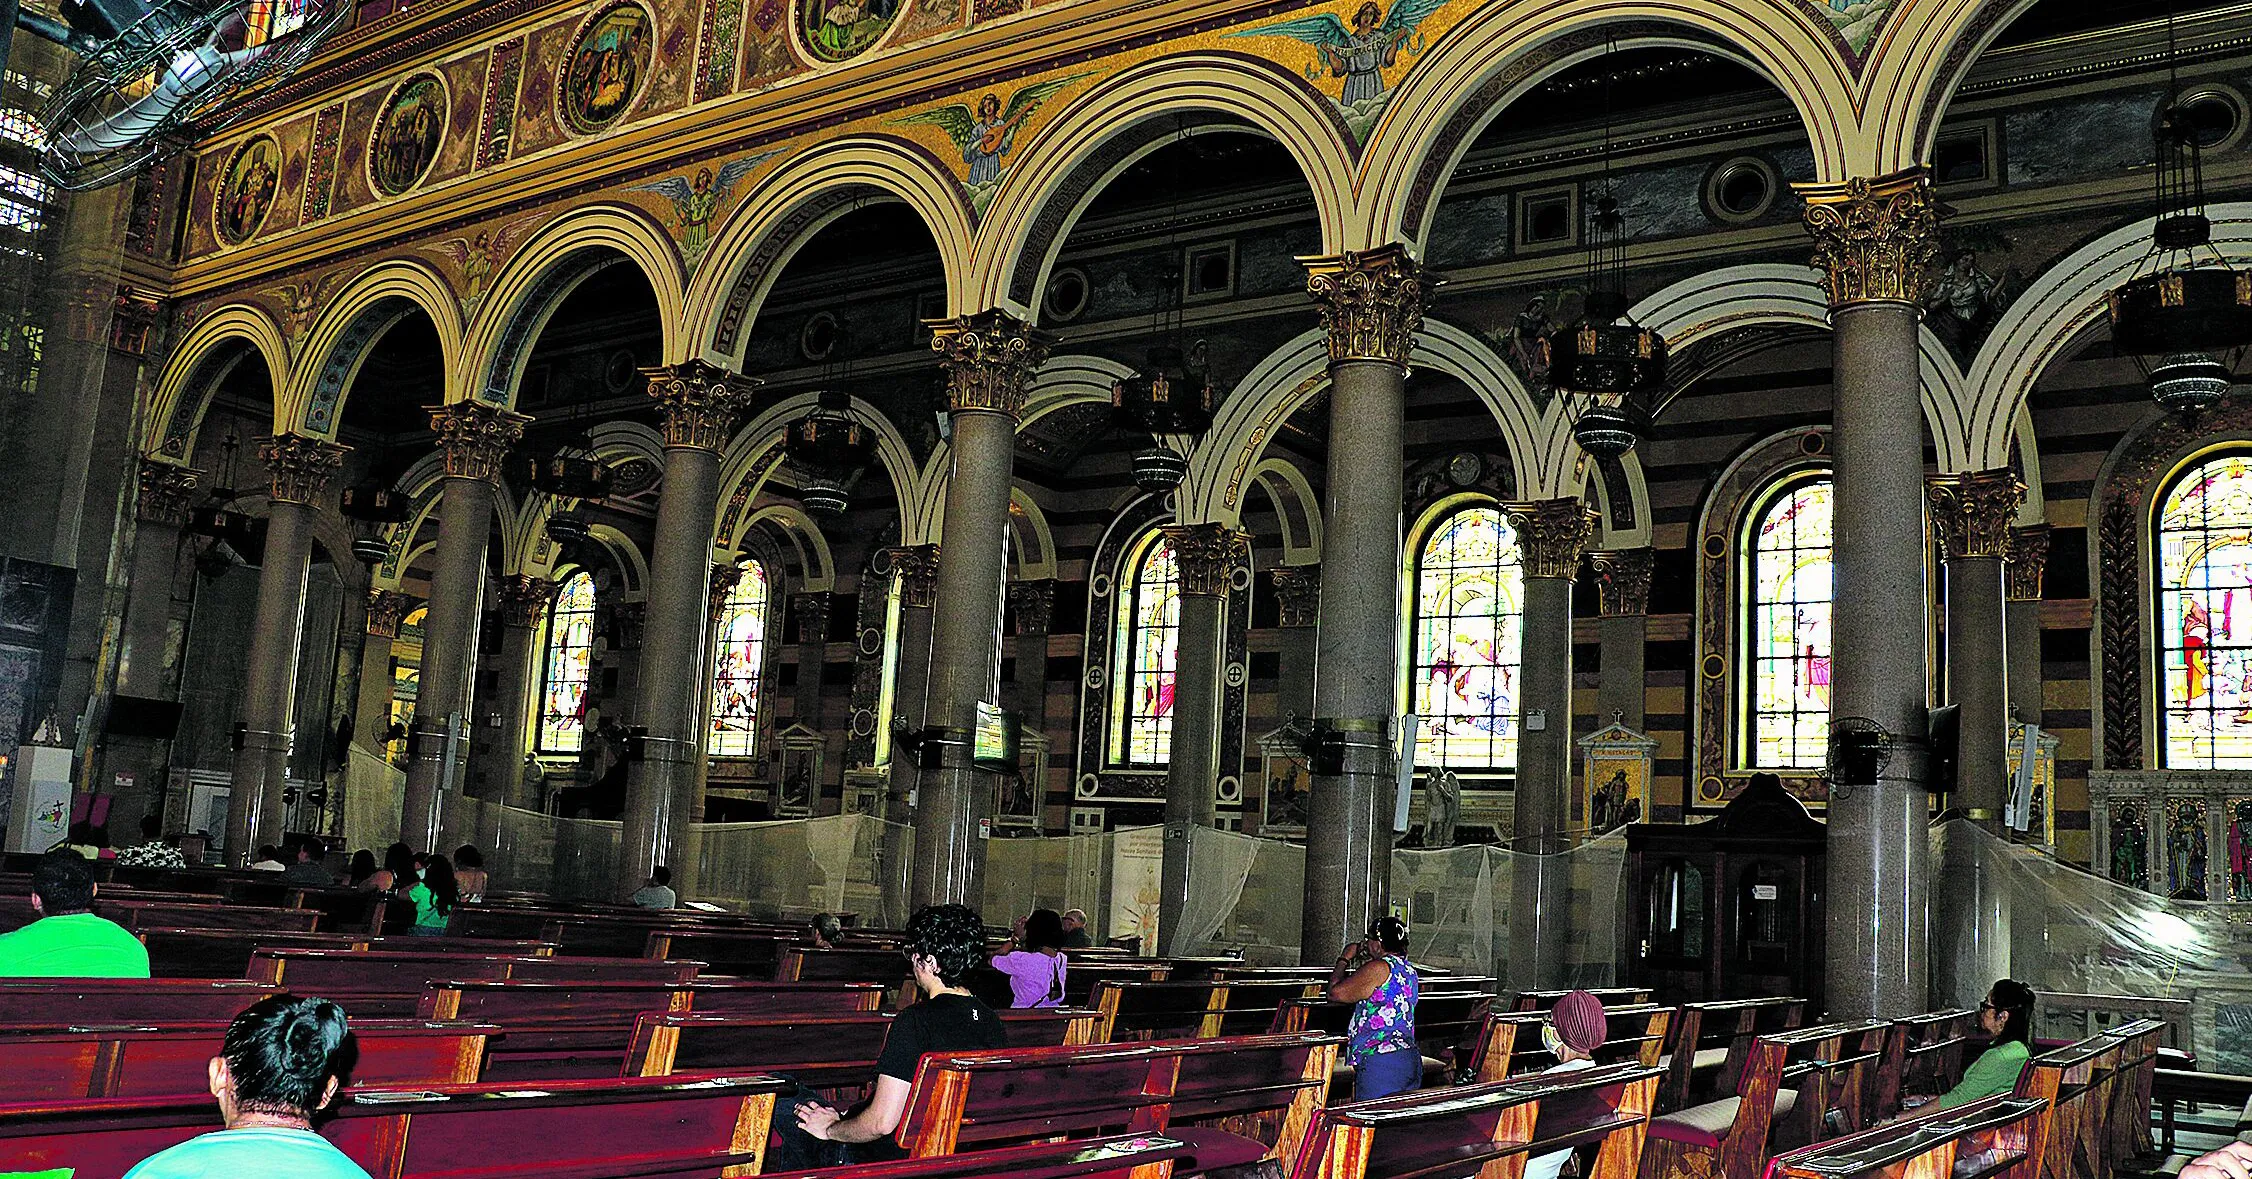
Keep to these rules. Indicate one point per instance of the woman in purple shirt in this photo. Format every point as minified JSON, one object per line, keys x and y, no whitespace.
{"x":1034,"y":961}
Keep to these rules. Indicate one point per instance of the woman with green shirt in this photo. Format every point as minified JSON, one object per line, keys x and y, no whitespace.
{"x":2007,"y":1016}
{"x":434,"y":896}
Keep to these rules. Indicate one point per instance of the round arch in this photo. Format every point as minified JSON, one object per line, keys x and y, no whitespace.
{"x":1121,"y":120}
{"x":1034,"y":553}
{"x":197,"y":366}
{"x":798,"y":200}
{"x":348,"y":328}
{"x":1297,"y":509}
{"x":815,"y":567}
{"x":2065,"y":300}
{"x":1469,"y":77}
{"x":1922,"y":55}
{"x":534,"y":283}
{"x":1755,"y":294}
{"x":756,"y":449}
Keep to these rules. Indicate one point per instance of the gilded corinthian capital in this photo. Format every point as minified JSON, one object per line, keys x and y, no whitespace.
{"x":386,"y":609}
{"x":1298,"y":595}
{"x":1208,"y":556}
{"x":1873,"y":239}
{"x":700,"y":403}
{"x":1371,"y":302}
{"x":1622,"y":581}
{"x":167,"y":493}
{"x":725,"y":577}
{"x":917,"y":566}
{"x":990,"y":359}
{"x":2029,"y":562}
{"x":1972,"y":511}
{"x":299,"y":466}
{"x":475,"y":436}
{"x":524,"y":599}
{"x":1551,"y":535}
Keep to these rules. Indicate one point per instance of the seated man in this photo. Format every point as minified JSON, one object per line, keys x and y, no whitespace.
{"x":943,"y":944}
{"x":152,"y":851}
{"x":269,"y":859}
{"x":1075,"y":935}
{"x":68,"y":940}
{"x":658,"y":893}
{"x":305,"y":867}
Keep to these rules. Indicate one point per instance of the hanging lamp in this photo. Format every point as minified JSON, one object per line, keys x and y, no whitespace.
{"x":1171,"y":393}
{"x":830,"y":447}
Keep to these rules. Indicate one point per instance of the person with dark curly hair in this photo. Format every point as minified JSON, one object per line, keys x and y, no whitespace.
{"x":281,"y":1062}
{"x":943,"y":943}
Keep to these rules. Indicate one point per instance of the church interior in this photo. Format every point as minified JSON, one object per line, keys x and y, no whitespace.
{"x":1731,"y":513}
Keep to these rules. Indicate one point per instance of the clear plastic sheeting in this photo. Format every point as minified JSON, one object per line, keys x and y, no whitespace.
{"x":2001,"y":908}
{"x":1463,"y":905}
{"x":526,"y":851}
{"x":1049,"y":872}
{"x":1245,"y":894}
{"x":373,"y":788}
{"x":799,"y":867}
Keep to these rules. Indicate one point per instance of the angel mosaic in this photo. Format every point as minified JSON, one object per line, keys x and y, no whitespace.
{"x":696,"y":204}
{"x":1360,"y":54}
{"x":478,"y":256}
{"x":985,"y":137}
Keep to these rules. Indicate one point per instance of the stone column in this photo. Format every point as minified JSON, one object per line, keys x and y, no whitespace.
{"x":1208,"y":556}
{"x":386,"y":608}
{"x":1551,"y":534}
{"x":473,"y":437}
{"x":1371,"y":304}
{"x":1297,"y":602}
{"x":1034,"y":604}
{"x":990,"y":359}
{"x":166,"y":495}
{"x":813,"y":653}
{"x":501,"y":747}
{"x":2028,"y":564}
{"x":700,"y":405}
{"x":1971,"y":513}
{"x":1622,"y":591}
{"x":916,"y":567}
{"x":1874,"y":240}
{"x":300,"y":468}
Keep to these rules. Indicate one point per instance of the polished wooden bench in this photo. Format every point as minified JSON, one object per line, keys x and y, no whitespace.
{"x":807,"y":964}
{"x":1450,"y":1028}
{"x":646,"y":1129}
{"x":1254,"y":1086}
{"x":1082,"y":974}
{"x":137,"y":915}
{"x":226,"y":953}
{"x":1512,"y":1044}
{"x":1790,"y":1082}
{"x":1486,"y":1130}
{"x":1706,"y":1045}
{"x":1991,"y":1139}
{"x":1923,"y":1057}
{"x":2079,"y":1081}
{"x":50,"y":1063}
{"x":1114,"y":1156}
{"x":1611,"y":997}
{"x":1168,"y":1010}
{"x":126,"y":1000}
{"x":745,"y":953}
{"x":2134,"y":1070}
{"x":831,"y":1052}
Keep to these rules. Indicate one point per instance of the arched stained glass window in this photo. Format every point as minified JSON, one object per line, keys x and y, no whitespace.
{"x":2204,"y":578}
{"x":739,"y":660}
{"x":1149,"y":641}
{"x":1786,"y":685}
{"x":568,"y":667}
{"x":1469,"y":639}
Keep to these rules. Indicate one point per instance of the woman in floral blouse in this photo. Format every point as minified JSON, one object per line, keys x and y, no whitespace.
{"x":1375,"y":976}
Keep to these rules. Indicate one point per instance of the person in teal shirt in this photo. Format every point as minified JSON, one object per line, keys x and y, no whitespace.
{"x":68,"y":940}
{"x":434,"y":896}
{"x":2007,"y":1017}
{"x":278,"y":1065}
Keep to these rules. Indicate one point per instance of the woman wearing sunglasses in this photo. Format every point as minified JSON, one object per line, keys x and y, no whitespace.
{"x":2007,"y":1017}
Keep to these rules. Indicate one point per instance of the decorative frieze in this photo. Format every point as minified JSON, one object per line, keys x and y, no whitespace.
{"x":1874,"y":239}
{"x":167,"y":493}
{"x":299,"y":466}
{"x":1371,"y":302}
{"x":1551,"y":535}
{"x":1208,"y":556}
{"x":700,"y":403}
{"x":2029,"y":562}
{"x":1972,"y":511}
{"x":1298,"y":594}
{"x":990,"y":359}
{"x":1622,"y":581}
{"x":474,"y":437}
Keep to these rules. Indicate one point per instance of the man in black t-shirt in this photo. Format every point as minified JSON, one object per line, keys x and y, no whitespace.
{"x":943,"y":944}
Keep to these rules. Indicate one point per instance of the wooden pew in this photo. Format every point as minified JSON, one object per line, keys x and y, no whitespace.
{"x":1170,"y":1010}
{"x":2133,"y":1071}
{"x":62,"y":1063}
{"x":2099,"y":1109}
{"x":1611,"y":997}
{"x":980,"y":1100}
{"x":1082,"y":975}
{"x":1706,"y":1042}
{"x":1923,"y":1057}
{"x":1450,"y":1029}
{"x":1487,"y":1129}
{"x":876,"y":965}
{"x":225,"y":953}
{"x":832,"y":1052}
{"x":1990,"y":1138}
{"x":138,"y":915}
{"x":666,"y":1128}
{"x":1512,"y":1044}
{"x":744,"y":954}
{"x":126,"y":1000}
{"x":1789,"y":1082}
{"x":1115,"y":1156}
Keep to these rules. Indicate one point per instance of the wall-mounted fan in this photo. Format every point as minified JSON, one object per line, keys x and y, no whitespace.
{"x":1859,"y":750}
{"x":153,"y":75}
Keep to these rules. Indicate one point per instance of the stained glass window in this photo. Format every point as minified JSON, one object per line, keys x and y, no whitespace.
{"x":2204,"y":576}
{"x":1469,"y":637}
{"x":739,"y":658}
{"x":1787,"y":627}
{"x":1149,"y":624}
{"x":568,"y":667}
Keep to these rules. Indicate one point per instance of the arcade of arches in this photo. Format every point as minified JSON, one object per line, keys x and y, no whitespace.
{"x":1898,"y":462}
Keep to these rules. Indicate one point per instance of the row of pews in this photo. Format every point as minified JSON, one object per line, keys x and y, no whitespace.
{"x":591,"y":1043}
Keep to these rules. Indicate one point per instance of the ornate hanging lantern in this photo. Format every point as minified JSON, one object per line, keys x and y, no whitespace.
{"x":571,"y":472}
{"x":2186,"y":314}
{"x":829,"y":447}
{"x":373,"y":506}
{"x":1172,"y":394}
{"x":567,"y":528}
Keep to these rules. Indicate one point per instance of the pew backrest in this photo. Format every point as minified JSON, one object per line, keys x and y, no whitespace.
{"x":1512,"y":1044}
{"x":83,"y":1061}
{"x":1988,"y":1137}
{"x":1611,"y":997}
{"x":126,"y":1000}
{"x":1485,"y":1129}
